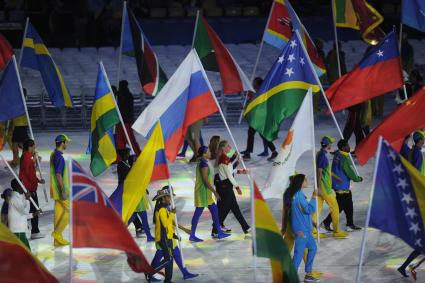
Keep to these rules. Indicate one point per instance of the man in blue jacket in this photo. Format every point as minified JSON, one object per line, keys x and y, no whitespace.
{"x":342,"y":167}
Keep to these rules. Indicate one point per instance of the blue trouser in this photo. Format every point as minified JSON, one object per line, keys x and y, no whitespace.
{"x":300,"y":245}
{"x":156,"y":261}
{"x":214,"y":215}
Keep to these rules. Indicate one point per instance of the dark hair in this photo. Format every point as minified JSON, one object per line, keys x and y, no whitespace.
{"x":342,"y":143}
{"x":15,"y":184}
{"x":123,"y":84}
{"x":27,"y":144}
{"x":257,"y":82}
{"x":213,"y":146}
{"x":202,"y":150}
{"x":295,"y":184}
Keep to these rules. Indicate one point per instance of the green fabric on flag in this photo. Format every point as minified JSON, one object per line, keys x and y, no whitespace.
{"x":282,"y":91}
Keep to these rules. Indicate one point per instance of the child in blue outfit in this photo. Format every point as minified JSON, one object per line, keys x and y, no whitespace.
{"x":301,"y":224}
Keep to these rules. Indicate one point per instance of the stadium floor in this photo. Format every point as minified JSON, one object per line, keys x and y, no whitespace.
{"x":229,"y":260}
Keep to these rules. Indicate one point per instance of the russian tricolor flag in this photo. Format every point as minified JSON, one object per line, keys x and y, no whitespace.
{"x":185,"y":99}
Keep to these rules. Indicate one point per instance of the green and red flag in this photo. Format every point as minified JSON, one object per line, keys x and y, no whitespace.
{"x":135,"y":44}
{"x":215,"y":57}
{"x":270,"y":243}
{"x":282,"y":92}
{"x":359,"y":15}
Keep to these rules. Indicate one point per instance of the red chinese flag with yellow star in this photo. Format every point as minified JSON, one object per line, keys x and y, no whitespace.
{"x":404,"y":120}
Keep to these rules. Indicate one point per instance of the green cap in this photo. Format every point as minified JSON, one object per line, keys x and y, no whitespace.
{"x":62,"y":138}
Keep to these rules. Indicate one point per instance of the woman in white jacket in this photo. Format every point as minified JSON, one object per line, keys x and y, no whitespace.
{"x":18,"y":213}
{"x":225,"y":185}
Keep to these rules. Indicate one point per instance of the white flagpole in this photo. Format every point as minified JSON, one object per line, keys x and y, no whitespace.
{"x":117,"y":108}
{"x":324,"y":96}
{"x":313,"y":151}
{"x":29,"y":125}
{"x":23,"y":41}
{"x":70,"y":218}
{"x":196,"y":28}
{"x":256,"y":63}
{"x":362,"y":250}
{"x":124,"y":14}
{"x":237,"y":150}
{"x":336,"y":38}
{"x":19,"y":181}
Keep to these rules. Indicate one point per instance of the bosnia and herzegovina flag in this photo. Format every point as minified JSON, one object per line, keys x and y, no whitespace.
{"x":215,"y":57}
{"x":135,"y":44}
{"x":104,"y":116}
{"x":359,"y":15}
{"x":36,"y":56}
{"x":398,"y":201}
{"x":282,"y":91}
{"x":150,"y":166}
{"x":270,"y":243}
{"x":379,"y":72}
{"x":278,"y":31}
{"x":18,"y":264}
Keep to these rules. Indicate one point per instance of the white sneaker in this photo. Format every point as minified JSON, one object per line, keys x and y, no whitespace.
{"x":35,"y":236}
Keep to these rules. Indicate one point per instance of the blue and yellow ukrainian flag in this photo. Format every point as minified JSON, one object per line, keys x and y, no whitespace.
{"x":127,"y":196}
{"x":104,"y":116}
{"x":36,"y":56}
{"x":398,"y":202}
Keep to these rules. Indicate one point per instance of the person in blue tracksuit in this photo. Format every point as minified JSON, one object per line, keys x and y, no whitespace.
{"x":301,"y":224}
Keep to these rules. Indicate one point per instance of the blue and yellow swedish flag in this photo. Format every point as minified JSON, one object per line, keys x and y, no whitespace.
{"x":398,"y":202}
{"x":36,"y":56}
{"x":128,"y":195}
{"x":104,"y":116}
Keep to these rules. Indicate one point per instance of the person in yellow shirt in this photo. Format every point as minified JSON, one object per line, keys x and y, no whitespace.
{"x":164,"y":233}
{"x":59,"y":189}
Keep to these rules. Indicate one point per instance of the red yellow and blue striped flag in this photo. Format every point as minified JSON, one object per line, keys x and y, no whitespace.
{"x":17,"y":262}
{"x":270,"y":243}
{"x":398,"y":201}
{"x":278,"y":32}
{"x":36,"y":56}
{"x":150,"y":166}
{"x":104,"y":116}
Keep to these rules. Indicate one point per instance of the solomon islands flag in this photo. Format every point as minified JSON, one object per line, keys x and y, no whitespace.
{"x":282,"y":92}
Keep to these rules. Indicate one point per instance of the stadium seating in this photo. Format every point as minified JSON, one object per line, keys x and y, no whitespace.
{"x":79,"y":70}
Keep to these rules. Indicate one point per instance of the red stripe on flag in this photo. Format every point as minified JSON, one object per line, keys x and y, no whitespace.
{"x":229,"y":74}
{"x":362,"y":84}
{"x":160,"y":172}
{"x":97,"y":226}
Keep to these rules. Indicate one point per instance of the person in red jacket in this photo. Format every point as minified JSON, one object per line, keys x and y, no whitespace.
{"x":28,"y":176}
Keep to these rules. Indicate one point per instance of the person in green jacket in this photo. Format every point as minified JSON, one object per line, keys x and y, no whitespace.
{"x":342,"y":167}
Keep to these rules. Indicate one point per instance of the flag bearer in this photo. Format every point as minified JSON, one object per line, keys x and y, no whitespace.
{"x":325,"y":193}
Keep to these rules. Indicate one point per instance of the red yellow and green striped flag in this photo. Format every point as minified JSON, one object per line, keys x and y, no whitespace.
{"x":270,"y":243}
{"x":359,"y":15}
{"x":17,"y":262}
